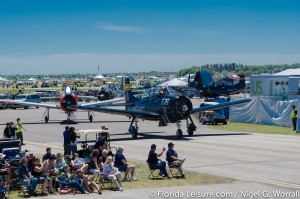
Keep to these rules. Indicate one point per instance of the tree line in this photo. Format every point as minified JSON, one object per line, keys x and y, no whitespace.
{"x":220,"y":69}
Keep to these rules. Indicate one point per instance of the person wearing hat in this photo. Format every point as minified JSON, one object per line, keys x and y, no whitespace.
{"x":47,"y":155}
{"x":173,"y":160}
{"x":154,"y":162}
{"x":87,"y":183}
{"x":66,"y":179}
{"x":294,"y":117}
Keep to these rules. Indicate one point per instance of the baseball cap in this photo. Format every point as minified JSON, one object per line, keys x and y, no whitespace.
{"x":153,"y":146}
{"x":170,"y":144}
{"x":48,"y":149}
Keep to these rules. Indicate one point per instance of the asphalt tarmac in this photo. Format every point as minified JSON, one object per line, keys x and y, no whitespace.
{"x":261,"y":163}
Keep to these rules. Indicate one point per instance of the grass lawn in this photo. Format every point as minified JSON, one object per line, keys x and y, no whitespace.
{"x":142,"y":173}
{"x":255,"y":128}
{"x":192,"y":178}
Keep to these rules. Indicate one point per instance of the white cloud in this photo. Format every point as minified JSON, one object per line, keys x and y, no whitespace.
{"x":118,"y":28}
{"x":88,"y":62}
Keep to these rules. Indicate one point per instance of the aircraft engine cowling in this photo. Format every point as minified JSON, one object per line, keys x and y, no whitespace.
{"x":104,"y":95}
{"x":67,"y":100}
{"x":182,"y":109}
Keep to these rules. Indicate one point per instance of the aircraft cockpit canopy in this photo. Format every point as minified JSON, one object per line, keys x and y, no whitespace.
{"x":160,"y":90}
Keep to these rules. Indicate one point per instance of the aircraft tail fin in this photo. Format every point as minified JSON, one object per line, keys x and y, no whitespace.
{"x":203,"y":78}
{"x":128,"y":94}
{"x":241,"y":83}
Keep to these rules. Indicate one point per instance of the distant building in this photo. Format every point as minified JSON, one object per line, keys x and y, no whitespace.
{"x":284,"y":85}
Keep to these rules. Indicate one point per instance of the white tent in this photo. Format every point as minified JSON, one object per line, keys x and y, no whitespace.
{"x":174,"y":83}
{"x":3,"y":79}
{"x":32,"y":79}
{"x":99,"y":77}
{"x":289,"y":72}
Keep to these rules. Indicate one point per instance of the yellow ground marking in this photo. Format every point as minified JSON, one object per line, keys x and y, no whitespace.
{"x":44,"y":144}
{"x":278,"y":183}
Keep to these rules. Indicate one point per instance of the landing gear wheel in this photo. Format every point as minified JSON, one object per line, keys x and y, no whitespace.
{"x":215,"y":122}
{"x":191,"y":129}
{"x":179,"y":133}
{"x":133,"y":132}
{"x":91,"y":118}
{"x":25,"y":107}
{"x":46,"y":119}
{"x":225,"y":122}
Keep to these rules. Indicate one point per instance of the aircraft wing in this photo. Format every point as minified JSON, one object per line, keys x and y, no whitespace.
{"x":106,"y":102}
{"x":116,"y":111}
{"x":53,"y":106}
{"x":219,"y":106}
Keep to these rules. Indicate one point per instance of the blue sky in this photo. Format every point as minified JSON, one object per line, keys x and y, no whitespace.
{"x":60,"y":36}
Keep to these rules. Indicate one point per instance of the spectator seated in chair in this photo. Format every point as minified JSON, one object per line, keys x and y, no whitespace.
{"x":103,"y":158}
{"x":49,"y":166}
{"x":111,"y":173}
{"x":4,"y":168}
{"x":78,"y":163}
{"x":154,"y":162}
{"x":66,"y":179}
{"x":93,"y":165}
{"x":37,"y":171}
{"x":59,"y":162}
{"x":26,"y":179}
{"x":173,"y":160}
{"x":122,"y":164}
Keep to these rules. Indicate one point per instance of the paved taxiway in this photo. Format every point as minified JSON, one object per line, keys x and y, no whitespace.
{"x":259,"y":162}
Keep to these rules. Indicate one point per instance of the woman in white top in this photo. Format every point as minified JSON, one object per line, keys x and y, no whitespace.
{"x":110,"y":173}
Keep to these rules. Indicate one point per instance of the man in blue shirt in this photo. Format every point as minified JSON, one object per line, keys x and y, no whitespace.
{"x":122,"y":164}
{"x":173,"y":160}
{"x":67,"y":147}
{"x":101,"y":143}
{"x":26,"y":178}
{"x":153,"y":161}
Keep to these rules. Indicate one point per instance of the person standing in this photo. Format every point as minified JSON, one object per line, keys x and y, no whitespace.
{"x":73,"y":140}
{"x":294,"y":117}
{"x":13,"y":130}
{"x":7,"y":131}
{"x":19,"y":130}
{"x":67,"y":147}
